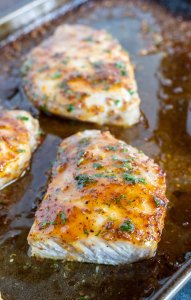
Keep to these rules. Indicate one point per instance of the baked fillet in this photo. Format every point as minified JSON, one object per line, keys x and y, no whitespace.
{"x":84,"y":74}
{"x":105,"y":204}
{"x":19,"y":137}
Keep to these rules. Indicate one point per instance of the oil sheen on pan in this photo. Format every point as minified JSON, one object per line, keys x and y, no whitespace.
{"x":159,"y":47}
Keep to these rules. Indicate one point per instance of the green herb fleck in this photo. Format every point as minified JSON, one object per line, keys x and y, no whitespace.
{"x":123,"y":72}
{"x":21,"y":150}
{"x":56,"y":75}
{"x":23,"y":118}
{"x":85,"y":141}
{"x":110,"y":176}
{"x":127,"y":226}
{"x":86,"y":231}
{"x":45,"y":223}
{"x":44,"y":108}
{"x":106,"y":87}
{"x":80,"y":161}
{"x":119,"y":198}
{"x":84,"y":179}
{"x":115,"y":158}
{"x":97,"y":234}
{"x":111,"y":148}
{"x":44,"y":68}
{"x":80,"y":157}
{"x":133,"y":179}
{"x":40,"y":132}
{"x":26,"y":67}
{"x":83,"y":298}
{"x":131,"y":92}
{"x":117,"y":102}
{"x":88,"y":39}
{"x":65,"y":61}
{"x":97,"y":64}
{"x":97,"y":166}
{"x":121,"y":66}
{"x":64,"y":85}
{"x":127,"y":165}
{"x":99,"y":175}
{"x":52,"y":223}
{"x":63,"y":217}
{"x":158,"y":201}
{"x":70,"y":108}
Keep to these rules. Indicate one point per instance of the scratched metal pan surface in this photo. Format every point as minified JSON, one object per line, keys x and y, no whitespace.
{"x":157,"y":36}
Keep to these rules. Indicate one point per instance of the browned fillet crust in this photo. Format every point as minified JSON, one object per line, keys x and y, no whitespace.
{"x":99,"y":177}
{"x":77,"y":63}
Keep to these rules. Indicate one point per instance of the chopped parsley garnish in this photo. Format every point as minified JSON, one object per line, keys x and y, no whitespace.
{"x":158,"y":201}
{"x":86,"y":231}
{"x":106,"y":85}
{"x":84,"y":179}
{"x":121,"y":66}
{"x":40,"y":132}
{"x":64,"y":85}
{"x":99,"y":175}
{"x":44,"y":108}
{"x":111,"y":148}
{"x":122,"y":160}
{"x":97,"y":234}
{"x":103,"y":175}
{"x":45,"y":223}
{"x":131,"y":92}
{"x":21,"y":150}
{"x":80,"y":157}
{"x":52,"y":223}
{"x":127,"y":226}
{"x":44,"y":68}
{"x":23,"y":118}
{"x":97,"y":64}
{"x":63,"y":217}
{"x":123,"y":72}
{"x":88,"y":39}
{"x":26,"y":67}
{"x":125,"y":150}
{"x":117,"y":102}
{"x":85,"y":141}
{"x":80,"y":161}
{"x":133,"y":179}
{"x":70,"y":108}
{"x":97,"y":166}
{"x":119,"y":198}
{"x":65,"y":61}
{"x":110,"y":176}
{"x":115,"y":158}
{"x":127,"y":165}
{"x":56,"y":75}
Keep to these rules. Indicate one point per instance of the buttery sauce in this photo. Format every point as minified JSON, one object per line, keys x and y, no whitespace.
{"x":164,"y":82}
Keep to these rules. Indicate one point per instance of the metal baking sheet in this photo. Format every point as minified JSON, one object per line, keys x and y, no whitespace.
{"x":159,"y":44}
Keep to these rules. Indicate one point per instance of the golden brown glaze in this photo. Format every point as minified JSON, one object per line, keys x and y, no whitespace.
{"x":101,"y":187}
{"x":18,"y":139}
{"x":85,"y":74}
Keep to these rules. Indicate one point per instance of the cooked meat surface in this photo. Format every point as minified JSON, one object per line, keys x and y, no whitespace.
{"x":105,"y":204}
{"x":19,"y":136}
{"x":84,"y":74}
